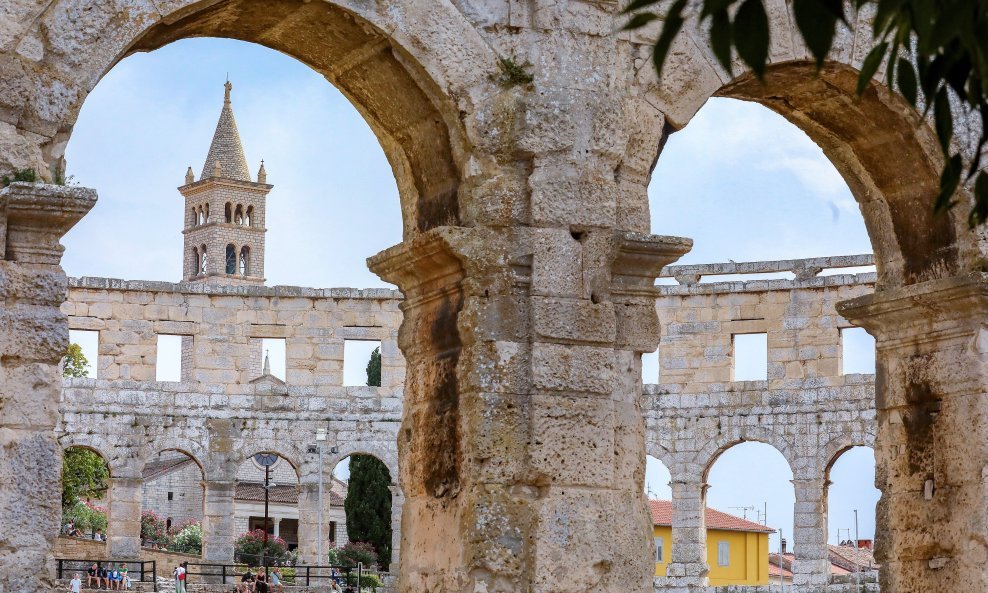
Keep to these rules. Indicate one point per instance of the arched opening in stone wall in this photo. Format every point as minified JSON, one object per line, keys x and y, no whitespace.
{"x":150,"y":119}
{"x":746,"y":185}
{"x":172,"y":502}
{"x":658,"y":493}
{"x":749,"y":501}
{"x":851,"y":499}
{"x":85,"y":488}
{"x":361,"y":510}
{"x":266,"y":477}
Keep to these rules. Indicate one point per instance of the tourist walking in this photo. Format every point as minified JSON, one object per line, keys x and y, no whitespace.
{"x":75,"y":585}
{"x":179,"y":574}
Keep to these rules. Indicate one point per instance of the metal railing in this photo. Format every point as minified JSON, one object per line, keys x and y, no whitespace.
{"x":138,"y":571}
{"x":348,"y":577}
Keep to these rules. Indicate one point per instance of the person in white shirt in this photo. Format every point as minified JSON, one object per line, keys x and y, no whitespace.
{"x":75,"y":585}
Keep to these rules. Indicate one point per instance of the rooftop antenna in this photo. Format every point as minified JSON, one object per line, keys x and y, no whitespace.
{"x":744,"y":511}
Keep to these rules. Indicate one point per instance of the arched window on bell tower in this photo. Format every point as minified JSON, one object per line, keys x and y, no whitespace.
{"x":238,"y":216}
{"x":195,"y":261}
{"x":228,"y":212}
{"x":244,"y":260}
{"x":203,"y":268}
{"x":250,"y":216}
{"x":205,"y":218}
{"x":231,"y":259}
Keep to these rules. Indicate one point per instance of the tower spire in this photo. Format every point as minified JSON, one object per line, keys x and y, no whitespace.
{"x":226,"y":149}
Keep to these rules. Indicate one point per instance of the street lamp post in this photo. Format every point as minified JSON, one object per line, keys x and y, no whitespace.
{"x":266,"y":460}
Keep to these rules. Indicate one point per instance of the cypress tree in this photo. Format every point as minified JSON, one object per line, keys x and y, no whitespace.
{"x":368,"y":505}
{"x":368,"y":498}
{"x":374,"y":368}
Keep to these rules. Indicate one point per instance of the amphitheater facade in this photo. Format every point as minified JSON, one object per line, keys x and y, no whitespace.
{"x":527,"y":269}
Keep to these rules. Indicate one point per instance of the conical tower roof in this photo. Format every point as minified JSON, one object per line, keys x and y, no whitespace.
{"x":226,"y":150}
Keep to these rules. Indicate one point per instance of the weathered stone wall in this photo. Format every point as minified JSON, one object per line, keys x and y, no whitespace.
{"x":528,"y":269}
{"x":224,"y":414}
{"x":806,"y":409}
{"x":185,"y":486}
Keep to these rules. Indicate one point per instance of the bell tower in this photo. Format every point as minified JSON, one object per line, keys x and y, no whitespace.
{"x":225,"y":211}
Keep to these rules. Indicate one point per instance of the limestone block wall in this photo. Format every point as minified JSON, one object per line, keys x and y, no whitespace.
{"x":185,"y":487}
{"x":219,"y":416}
{"x":222,"y":322}
{"x":805,"y":408}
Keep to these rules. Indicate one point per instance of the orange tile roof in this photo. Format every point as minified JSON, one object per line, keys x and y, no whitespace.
{"x":662,"y":515}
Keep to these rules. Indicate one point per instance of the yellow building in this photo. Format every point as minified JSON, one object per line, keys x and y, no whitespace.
{"x":737,"y":549}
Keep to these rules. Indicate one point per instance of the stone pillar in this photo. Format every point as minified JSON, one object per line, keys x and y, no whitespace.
{"x":811,"y":568}
{"x":309,"y":530}
{"x":931,"y":450}
{"x":123,"y":509}
{"x":277,"y":526}
{"x":522,"y":439}
{"x":33,"y":218}
{"x":688,"y":561}
{"x":397,"y":503}
{"x":218,"y":530}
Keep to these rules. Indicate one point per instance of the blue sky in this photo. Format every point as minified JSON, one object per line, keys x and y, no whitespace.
{"x":740,"y":180}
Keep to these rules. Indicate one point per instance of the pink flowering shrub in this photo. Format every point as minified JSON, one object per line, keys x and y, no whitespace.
{"x":248,"y":548}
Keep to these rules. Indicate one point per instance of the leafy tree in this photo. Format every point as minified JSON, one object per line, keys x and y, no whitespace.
{"x":368,"y":505}
{"x":75,"y":362}
{"x":84,"y":475}
{"x":374,"y":368}
{"x":936,"y":53}
{"x":353,"y":553}
{"x":86,"y":516}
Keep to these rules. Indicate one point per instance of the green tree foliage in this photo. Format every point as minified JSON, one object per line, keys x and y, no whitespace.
{"x":374,"y":368}
{"x":75,"y":362}
{"x":84,"y":475}
{"x":935,"y":51}
{"x":188,"y":539}
{"x":86,"y":516}
{"x":368,"y":505}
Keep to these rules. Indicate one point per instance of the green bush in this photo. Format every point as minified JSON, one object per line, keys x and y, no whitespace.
{"x":86,"y":516}
{"x":249,"y":546}
{"x":367,"y":581}
{"x":353,"y":553}
{"x":188,"y":539}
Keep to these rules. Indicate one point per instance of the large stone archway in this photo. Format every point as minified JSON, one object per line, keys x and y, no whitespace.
{"x":527,"y":272}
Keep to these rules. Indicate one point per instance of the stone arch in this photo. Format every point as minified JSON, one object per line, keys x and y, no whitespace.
{"x":832,"y":451}
{"x":887,"y":155}
{"x":187,"y":447}
{"x":228,"y":213}
{"x":410,"y":71}
{"x":110,"y":453}
{"x":708,"y":455}
{"x":283,"y":449}
{"x":387,"y":456}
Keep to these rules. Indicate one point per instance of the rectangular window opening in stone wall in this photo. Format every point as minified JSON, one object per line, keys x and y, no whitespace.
{"x":88,"y":342}
{"x":658,"y":549}
{"x":356,"y":356}
{"x":857,"y":351}
{"x":173,"y":358}
{"x":750,"y":357}
{"x":275,"y":351}
{"x":650,"y":367}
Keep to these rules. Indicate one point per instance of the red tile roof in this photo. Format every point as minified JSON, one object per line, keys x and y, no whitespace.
{"x":662,"y":515}
{"x":164,"y":466}
{"x":254,"y":491}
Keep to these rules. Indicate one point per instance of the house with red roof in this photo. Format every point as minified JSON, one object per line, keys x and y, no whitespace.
{"x":737,"y":549}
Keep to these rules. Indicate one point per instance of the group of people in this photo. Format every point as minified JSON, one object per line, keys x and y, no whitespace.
{"x":110,"y":578}
{"x":71,"y":530}
{"x":261,"y":582}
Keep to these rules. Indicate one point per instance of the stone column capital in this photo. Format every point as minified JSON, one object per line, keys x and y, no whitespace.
{"x":923,"y":312}
{"x":37,"y":216}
